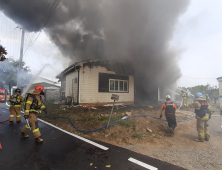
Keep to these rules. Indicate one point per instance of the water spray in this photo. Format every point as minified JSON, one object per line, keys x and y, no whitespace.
{"x":188,"y":92}
{"x":33,"y":79}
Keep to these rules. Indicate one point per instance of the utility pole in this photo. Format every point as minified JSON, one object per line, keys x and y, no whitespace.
{"x":21,"y":58}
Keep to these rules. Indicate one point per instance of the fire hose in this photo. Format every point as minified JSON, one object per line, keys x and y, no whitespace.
{"x":109,"y":123}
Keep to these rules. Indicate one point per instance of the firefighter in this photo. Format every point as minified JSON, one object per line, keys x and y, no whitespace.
{"x":33,"y":106}
{"x":170,"y":109}
{"x":15,"y":106}
{"x":203,"y":114}
{"x":184,"y":96}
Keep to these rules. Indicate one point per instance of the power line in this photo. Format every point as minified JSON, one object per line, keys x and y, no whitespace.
{"x":49,"y":14}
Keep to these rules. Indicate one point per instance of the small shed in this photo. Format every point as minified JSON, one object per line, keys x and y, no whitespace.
{"x":51,"y":88}
{"x":92,"y":82}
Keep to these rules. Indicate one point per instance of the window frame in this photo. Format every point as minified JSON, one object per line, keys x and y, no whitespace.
{"x":118,"y":91}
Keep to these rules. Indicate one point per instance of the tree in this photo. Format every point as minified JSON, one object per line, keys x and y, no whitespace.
{"x":9,"y":72}
{"x":3,"y":52}
{"x":211,"y":91}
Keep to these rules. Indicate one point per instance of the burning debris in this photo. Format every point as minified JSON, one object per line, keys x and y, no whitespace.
{"x":135,"y":31}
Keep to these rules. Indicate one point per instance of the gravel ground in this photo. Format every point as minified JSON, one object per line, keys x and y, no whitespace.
{"x":181,"y":150}
{"x":192,"y":158}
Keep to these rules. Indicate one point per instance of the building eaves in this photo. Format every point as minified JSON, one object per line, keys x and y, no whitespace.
{"x":118,"y":66}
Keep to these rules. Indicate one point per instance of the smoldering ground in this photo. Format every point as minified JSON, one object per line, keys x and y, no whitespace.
{"x":135,"y":30}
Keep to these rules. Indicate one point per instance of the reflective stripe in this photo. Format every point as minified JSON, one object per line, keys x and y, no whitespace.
{"x":27,"y":126}
{"x":43,"y":107}
{"x":39,"y":103}
{"x":201,"y":134}
{"x":11,"y":116}
{"x":18,"y":115}
{"x":32,"y":110}
{"x":29,"y":102}
{"x":26,"y":111}
{"x":205,"y":117}
{"x":18,"y":100}
{"x":207,"y":133}
{"x":17,"y":105}
{"x":36,"y":130}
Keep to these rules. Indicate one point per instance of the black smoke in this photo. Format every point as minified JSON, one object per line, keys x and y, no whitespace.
{"x":135,"y":30}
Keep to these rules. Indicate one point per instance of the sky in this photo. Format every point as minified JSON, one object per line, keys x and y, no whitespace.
{"x":197,"y":37}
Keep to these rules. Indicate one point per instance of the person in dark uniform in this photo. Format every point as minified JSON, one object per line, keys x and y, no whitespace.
{"x":170,"y":110}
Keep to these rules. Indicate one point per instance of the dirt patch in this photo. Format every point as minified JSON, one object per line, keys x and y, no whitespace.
{"x":137,"y":130}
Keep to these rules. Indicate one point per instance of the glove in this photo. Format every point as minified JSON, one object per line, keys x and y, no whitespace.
{"x":26,"y":116}
{"x":45,"y":110}
{"x":161,"y":116}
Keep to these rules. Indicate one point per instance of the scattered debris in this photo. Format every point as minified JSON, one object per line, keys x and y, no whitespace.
{"x":108,"y":166}
{"x":91,"y":164}
{"x":151,"y":107}
{"x":129,"y":114}
{"x":124,"y":117}
{"x":149,"y":130}
{"x":106,"y":136}
{"x":93,"y":108}
{"x":106,"y":115}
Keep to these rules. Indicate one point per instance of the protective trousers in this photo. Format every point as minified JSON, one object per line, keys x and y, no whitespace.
{"x":15,"y":110}
{"x":202,"y":129}
{"x":33,"y":124}
{"x":171,"y":120}
{"x":185,"y":103}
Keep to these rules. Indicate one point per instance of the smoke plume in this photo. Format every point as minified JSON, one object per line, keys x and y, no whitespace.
{"x":138,"y":31}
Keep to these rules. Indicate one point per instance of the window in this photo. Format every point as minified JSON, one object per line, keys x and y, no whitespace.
{"x":2,"y":92}
{"x":118,"y":85}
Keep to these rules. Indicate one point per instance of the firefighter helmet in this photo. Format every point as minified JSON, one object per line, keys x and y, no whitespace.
{"x":39,"y":88}
{"x":198,"y":95}
{"x":18,"y":90}
{"x":167,"y":96}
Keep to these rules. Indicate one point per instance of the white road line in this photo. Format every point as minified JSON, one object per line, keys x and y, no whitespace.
{"x":215,"y":115}
{"x":142,"y":164}
{"x":79,"y":137}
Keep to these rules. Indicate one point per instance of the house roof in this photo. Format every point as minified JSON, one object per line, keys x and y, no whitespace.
{"x":42,"y":81}
{"x":219,"y":78}
{"x":118,"y":66}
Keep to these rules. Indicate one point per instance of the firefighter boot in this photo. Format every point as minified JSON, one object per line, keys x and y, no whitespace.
{"x":24,"y":135}
{"x":11,"y":122}
{"x":199,"y":140}
{"x":39,"y":139}
{"x":171,"y":130}
{"x":207,"y":137}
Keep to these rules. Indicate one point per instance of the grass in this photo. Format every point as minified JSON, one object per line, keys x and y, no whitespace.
{"x":114,"y":134}
{"x":137,"y":135}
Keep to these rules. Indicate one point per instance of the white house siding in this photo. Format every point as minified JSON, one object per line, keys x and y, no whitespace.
{"x":89,"y":82}
{"x":71,"y":86}
{"x":220,"y":92}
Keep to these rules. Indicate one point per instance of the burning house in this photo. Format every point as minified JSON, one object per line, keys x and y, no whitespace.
{"x":93,"y":81}
{"x":139,"y":32}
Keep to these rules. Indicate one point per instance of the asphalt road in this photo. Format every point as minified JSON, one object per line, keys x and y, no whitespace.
{"x":62,"y":151}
